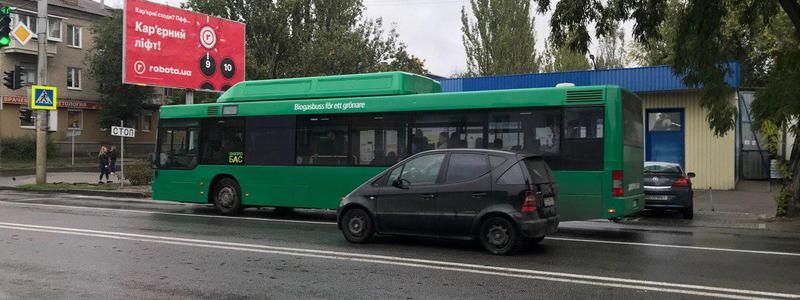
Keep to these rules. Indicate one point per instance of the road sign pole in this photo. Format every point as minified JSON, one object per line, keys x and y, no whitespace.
{"x":121,"y":157}
{"x":73,"y":148}
{"x":41,"y":115}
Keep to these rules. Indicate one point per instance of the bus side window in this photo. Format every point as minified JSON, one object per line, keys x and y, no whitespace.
{"x":222,"y":139}
{"x":323,"y":140}
{"x":535,"y":131}
{"x":267,"y":138}
{"x":583,"y":139}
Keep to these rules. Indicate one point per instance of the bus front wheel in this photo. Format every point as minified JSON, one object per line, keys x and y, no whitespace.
{"x":227,"y":197}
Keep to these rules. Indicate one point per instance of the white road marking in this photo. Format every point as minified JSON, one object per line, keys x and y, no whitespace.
{"x":687,"y":289}
{"x":674,"y":246}
{"x":273,"y":220}
{"x":165,"y":213}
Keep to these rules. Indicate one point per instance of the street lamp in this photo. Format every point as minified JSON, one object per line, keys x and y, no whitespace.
{"x":594,"y":63}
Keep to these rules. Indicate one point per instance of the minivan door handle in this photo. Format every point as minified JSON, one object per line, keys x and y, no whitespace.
{"x":478,"y":195}
{"x":428,"y":196}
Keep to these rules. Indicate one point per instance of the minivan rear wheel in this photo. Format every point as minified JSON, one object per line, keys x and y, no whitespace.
{"x":357,"y":226}
{"x":499,"y":236}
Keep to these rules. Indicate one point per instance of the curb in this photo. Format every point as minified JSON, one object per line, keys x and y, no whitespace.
{"x":136,"y":195}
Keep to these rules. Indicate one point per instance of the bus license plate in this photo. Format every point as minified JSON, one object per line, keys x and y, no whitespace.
{"x":549,"y":201}
{"x":657,"y":197}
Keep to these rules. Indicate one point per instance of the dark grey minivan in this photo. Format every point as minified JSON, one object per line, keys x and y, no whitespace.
{"x":500,"y":198}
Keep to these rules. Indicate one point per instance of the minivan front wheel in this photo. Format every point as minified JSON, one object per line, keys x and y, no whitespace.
{"x":499,"y":236}
{"x":357,"y":226}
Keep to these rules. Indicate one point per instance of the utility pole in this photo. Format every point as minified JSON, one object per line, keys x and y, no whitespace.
{"x":41,"y":115}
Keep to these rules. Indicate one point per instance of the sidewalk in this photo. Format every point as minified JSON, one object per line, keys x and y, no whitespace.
{"x":13,"y":182}
{"x":751,"y":206}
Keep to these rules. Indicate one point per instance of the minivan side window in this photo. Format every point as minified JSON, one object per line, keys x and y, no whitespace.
{"x":466,"y":166}
{"x":422,"y":170}
{"x":513,"y":175}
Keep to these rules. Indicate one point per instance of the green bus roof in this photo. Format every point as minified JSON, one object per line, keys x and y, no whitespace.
{"x":356,"y":85}
{"x":529,"y":97}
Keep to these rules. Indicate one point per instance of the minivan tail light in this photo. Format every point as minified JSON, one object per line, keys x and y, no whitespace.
{"x":616,"y":186}
{"x":681,"y":182}
{"x":528,"y":203}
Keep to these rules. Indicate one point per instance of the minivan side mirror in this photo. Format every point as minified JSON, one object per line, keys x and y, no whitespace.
{"x":691,"y":174}
{"x":401,"y":184}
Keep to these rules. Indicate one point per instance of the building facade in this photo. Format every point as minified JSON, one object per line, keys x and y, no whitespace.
{"x":69,"y":40}
{"x":691,"y":142}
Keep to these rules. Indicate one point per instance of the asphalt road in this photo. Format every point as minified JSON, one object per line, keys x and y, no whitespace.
{"x":67,"y":246}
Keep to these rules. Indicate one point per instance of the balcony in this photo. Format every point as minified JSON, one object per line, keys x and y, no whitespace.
{"x":32,"y":47}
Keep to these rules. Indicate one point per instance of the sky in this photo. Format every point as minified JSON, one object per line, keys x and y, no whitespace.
{"x":430,"y":28}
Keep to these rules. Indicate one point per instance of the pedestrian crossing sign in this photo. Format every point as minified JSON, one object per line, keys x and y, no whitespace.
{"x":44,"y":97}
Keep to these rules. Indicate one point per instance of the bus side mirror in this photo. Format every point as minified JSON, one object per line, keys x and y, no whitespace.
{"x":691,"y":174}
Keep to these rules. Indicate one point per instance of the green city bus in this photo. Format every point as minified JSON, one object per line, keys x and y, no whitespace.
{"x":307,"y":142}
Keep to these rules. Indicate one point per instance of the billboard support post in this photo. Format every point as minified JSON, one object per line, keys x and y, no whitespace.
{"x":189,"y":96}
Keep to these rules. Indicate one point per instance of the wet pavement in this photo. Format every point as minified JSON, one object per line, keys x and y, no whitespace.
{"x":71,"y":246}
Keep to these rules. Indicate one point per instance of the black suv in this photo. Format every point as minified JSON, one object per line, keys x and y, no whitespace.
{"x":500,"y":198}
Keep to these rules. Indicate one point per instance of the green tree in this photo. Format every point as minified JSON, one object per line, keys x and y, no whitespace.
{"x":499,"y":39}
{"x":611,"y":51}
{"x":404,"y":61}
{"x":120,"y":101}
{"x":558,"y":59}
{"x":292,"y":38}
{"x":706,"y":34}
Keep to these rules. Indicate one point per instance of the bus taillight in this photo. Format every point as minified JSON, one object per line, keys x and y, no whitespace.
{"x":616,"y":189}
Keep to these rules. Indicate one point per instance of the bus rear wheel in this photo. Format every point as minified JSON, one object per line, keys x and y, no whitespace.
{"x":227,"y":197}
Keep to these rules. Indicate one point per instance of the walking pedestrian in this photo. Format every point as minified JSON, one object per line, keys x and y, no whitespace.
{"x":112,"y":157}
{"x":103,"y":164}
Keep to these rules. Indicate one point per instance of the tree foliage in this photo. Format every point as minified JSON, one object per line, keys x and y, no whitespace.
{"x":611,"y":51}
{"x":558,"y":59}
{"x":499,"y":38}
{"x":120,"y":101}
{"x":699,"y":39}
{"x":294,"y":38}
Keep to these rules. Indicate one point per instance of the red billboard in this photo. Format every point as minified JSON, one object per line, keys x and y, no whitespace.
{"x":171,"y":47}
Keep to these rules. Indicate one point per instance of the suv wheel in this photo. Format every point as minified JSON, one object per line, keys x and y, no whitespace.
{"x":227,"y":197}
{"x":357,"y":226}
{"x":499,"y":236}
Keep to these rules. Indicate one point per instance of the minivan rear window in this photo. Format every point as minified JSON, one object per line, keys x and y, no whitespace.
{"x":538,"y":169}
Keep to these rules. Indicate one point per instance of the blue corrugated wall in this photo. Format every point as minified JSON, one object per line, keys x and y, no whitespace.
{"x":640,"y":80}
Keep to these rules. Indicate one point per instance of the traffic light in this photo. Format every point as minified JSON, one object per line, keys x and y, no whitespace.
{"x":5,"y":26}
{"x":25,"y":115}
{"x":13,"y":79}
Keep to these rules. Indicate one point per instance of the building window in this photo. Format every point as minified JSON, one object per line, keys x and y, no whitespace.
{"x":54,"y":29}
{"x":28,"y":73}
{"x":28,"y":20}
{"x":74,"y":36}
{"x":75,"y":119}
{"x":147,"y":120}
{"x":74,"y":78}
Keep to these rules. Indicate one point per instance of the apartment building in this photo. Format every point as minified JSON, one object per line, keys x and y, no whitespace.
{"x":69,"y":40}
